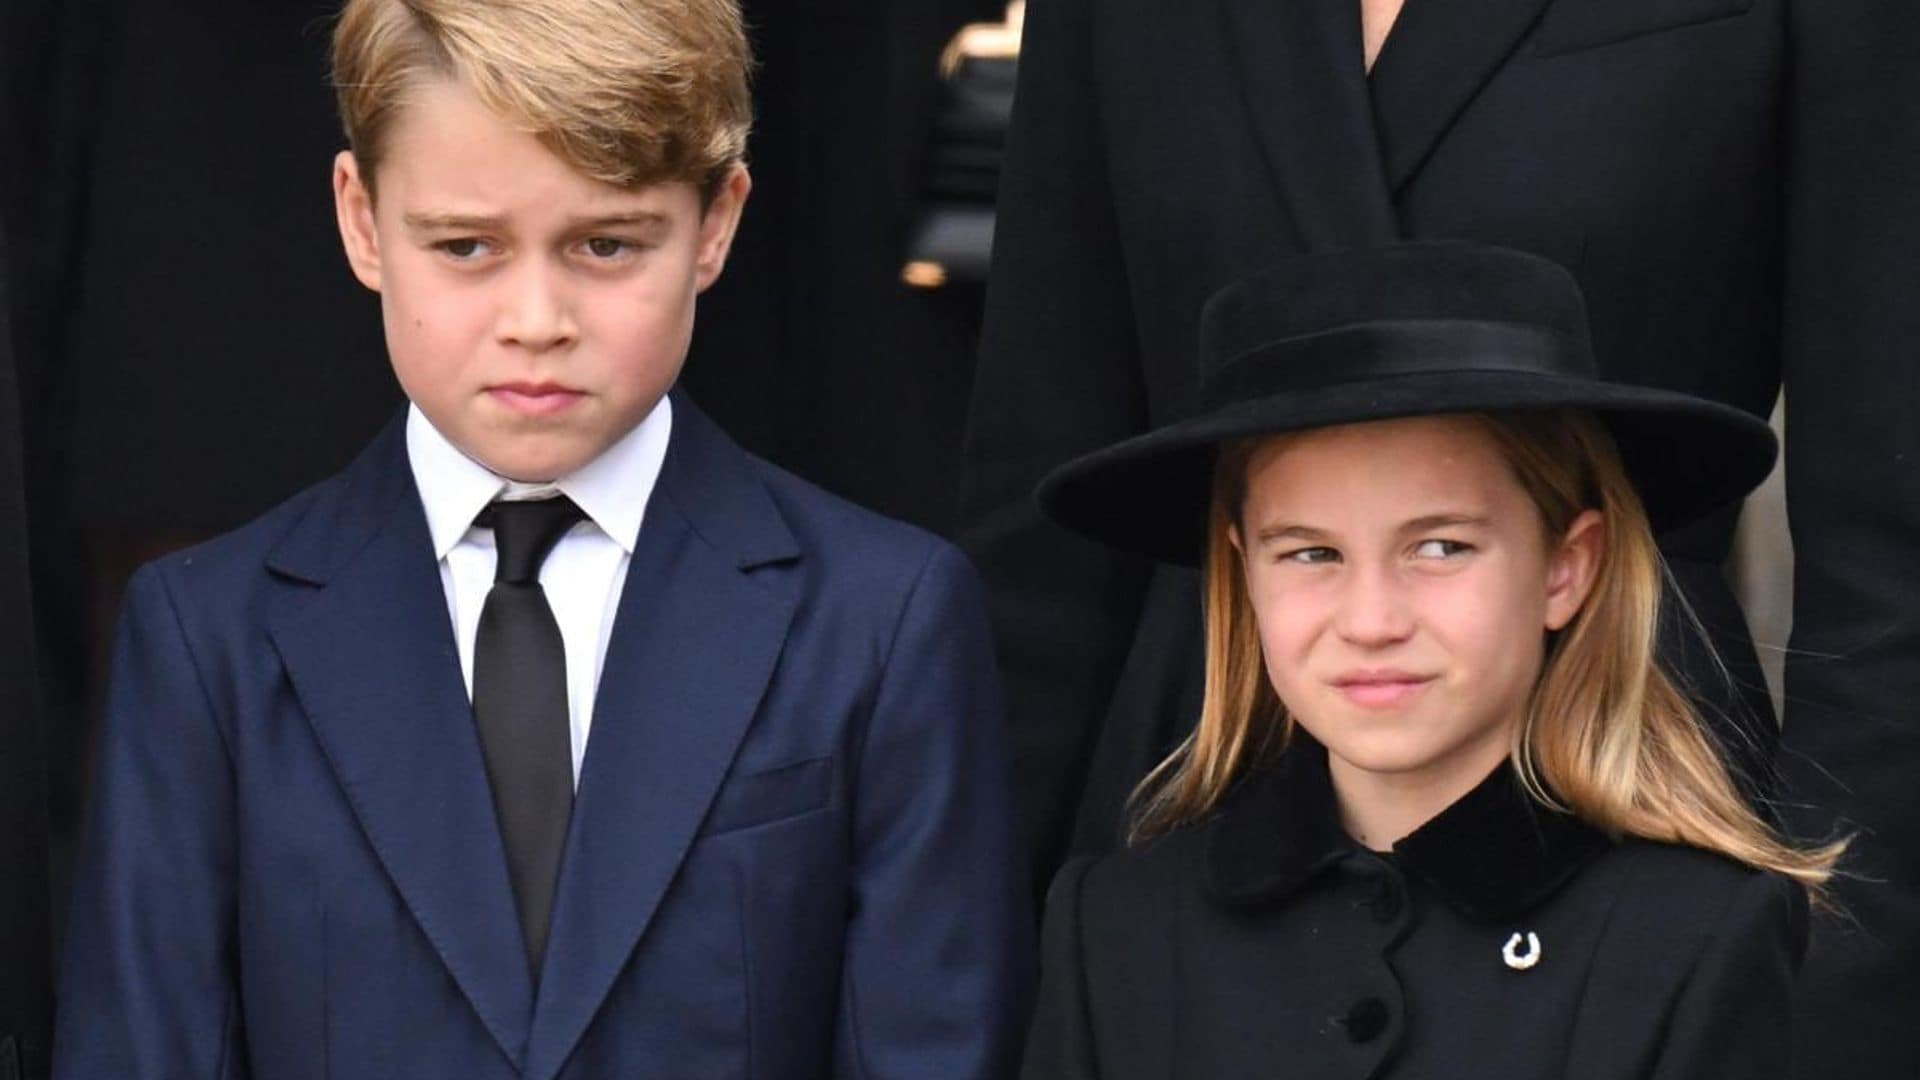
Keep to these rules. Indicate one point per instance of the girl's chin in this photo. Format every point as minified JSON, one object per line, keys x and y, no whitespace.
{"x":1410,"y":751}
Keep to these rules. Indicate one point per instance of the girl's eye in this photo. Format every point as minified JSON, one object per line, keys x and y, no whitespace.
{"x":1311,"y":556}
{"x":1441,"y":549}
{"x":606,"y":247}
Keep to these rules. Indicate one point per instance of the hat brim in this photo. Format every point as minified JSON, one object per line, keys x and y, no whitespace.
{"x":1150,"y":494}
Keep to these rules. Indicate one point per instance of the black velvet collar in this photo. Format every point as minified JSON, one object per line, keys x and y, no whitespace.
{"x":1493,"y":855}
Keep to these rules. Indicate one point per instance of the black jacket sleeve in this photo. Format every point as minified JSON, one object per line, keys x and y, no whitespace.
{"x":1851,"y":742}
{"x":1058,"y":375}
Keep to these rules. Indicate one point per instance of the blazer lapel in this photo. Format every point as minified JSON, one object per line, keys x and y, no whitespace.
{"x":1439,"y":55}
{"x":1301,"y":66}
{"x":694,"y":644}
{"x":364,"y":634}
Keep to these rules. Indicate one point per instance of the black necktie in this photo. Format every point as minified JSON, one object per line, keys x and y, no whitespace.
{"x":520,"y":706}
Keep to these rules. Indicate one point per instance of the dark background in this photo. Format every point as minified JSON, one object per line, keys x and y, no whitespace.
{"x":187,"y":347}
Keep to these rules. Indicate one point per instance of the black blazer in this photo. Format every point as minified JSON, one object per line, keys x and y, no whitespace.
{"x":25,"y":979}
{"x":1266,"y":943}
{"x":1736,"y":185}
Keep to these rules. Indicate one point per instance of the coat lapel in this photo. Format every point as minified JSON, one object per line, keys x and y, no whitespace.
{"x":1301,"y":66}
{"x":1439,"y":55}
{"x":366,"y":641}
{"x":694,"y":644}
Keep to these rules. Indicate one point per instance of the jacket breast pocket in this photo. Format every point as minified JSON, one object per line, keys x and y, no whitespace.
{"x":760,"y":798}
{"x":1574,"y":25}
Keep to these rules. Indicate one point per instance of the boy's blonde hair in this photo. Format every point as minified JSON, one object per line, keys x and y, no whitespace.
{"x":630,"y":92}
{"x":1607,"y":735}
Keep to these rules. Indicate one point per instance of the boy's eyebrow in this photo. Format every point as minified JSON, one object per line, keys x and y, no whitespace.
{"x":631,"y":217}
{"x":463,"y":222}
{"x":424,"y":222}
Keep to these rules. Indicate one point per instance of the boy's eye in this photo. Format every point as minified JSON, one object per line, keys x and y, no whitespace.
{"x":461,"y":248}
{"x":606,"y":247}
{"x":1311,"y":556}
{"x":1441,"y":549}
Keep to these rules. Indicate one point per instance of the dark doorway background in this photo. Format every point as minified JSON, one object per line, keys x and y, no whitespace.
{"x":190,"y":348}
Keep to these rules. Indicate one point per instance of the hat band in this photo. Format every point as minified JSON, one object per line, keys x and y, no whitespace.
{"x":1363,"y":352}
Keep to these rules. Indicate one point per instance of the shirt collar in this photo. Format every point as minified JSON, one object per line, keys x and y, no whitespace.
{"x":1492,"y":855}
{"x":612,"y":489}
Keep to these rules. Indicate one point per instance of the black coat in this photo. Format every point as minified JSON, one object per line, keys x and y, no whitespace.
{"x":210,"y":353}
{"x":1736,"y":185}
{"x":1266,"y":943}
{"x":26,"y":1006}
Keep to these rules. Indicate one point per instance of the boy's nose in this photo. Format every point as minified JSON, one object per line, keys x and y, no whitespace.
{"x":1373,"y":610}
{"x":535,"y":313}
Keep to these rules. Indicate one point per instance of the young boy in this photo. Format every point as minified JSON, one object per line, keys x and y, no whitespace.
{"x":556,"y":737}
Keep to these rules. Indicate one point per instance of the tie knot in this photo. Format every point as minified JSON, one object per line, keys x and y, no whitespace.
{"x":524,"y":531}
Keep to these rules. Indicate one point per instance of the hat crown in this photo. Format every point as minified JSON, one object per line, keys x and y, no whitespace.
{"x":1420,"y":329}
{"x":1404,"y":311}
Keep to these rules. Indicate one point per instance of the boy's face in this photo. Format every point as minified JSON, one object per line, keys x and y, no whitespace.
{"x":534,"y":314}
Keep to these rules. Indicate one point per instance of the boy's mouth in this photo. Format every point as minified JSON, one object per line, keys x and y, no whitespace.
{"x":535,"y":399}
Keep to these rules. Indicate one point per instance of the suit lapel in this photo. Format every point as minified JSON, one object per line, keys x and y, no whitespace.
{"x":1301,"y":66}
{"x":694,"y":644}
{"x":364,"y":635}
{"x":1439,"y":55}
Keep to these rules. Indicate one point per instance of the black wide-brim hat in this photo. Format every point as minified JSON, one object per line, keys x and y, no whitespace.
{"x":1408,"y":330}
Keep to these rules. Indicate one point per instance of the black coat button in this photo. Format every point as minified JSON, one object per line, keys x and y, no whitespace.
{"x":1366,"y":1020}
{"x":1387,"y":904}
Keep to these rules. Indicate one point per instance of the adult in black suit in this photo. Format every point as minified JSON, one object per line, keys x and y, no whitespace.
{"x":1735,"y":183}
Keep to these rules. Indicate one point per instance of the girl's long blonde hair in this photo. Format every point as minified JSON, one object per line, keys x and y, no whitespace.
{"x":1607,"y":736}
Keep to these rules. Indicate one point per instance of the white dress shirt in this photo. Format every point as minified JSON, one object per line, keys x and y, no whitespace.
{"x":586,"y":571}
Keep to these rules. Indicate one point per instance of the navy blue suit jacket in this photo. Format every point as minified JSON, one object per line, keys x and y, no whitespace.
{"x":792,"y":851}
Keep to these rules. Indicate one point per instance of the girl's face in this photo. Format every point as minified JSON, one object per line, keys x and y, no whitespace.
{"x":1403,"y":584}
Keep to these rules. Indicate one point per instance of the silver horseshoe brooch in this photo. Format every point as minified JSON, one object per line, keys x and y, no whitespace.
{"x":1517,"y":960}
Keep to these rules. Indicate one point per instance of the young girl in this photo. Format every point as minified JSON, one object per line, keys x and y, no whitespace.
{"x":1443,"y":814}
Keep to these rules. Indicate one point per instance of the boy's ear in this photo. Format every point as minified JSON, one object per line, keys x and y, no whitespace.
{"x":1573,"y":566}
{"x":353,"y":206}
{"x":718,"y":224}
